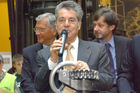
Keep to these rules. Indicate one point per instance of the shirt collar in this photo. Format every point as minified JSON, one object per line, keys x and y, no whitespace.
{"x":45,"y":46}
{"x":75,"y":43}
{"x":111,"y":42}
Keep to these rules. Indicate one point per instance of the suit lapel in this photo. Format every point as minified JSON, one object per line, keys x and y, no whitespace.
{"x":46,"y":53}
{"x":83,"y":51}
{"x":117,"y":50}
{"x":38,"y":47}
{"x":96,"y":40}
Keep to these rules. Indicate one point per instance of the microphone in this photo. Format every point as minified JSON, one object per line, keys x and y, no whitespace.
{"x":64,"y":35}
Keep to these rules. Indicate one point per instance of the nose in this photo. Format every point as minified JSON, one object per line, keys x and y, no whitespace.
{"x":95,"y":27}
{"x":66,"y":23}
{"x":37,"y":32}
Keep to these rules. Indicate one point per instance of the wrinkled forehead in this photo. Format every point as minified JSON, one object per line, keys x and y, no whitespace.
{"x":66,"y":10}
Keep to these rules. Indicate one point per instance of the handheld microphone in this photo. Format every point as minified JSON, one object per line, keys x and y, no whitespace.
{"x":64,"y":35}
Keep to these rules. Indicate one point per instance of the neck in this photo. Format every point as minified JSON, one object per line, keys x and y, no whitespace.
{"x":18,"y":72}
{"x":48,"y":43}
{"x":107,"y":38}
{"x":71,"y":41}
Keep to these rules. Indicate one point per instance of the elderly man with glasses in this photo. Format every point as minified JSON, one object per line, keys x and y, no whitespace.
{"x":45,"y":32}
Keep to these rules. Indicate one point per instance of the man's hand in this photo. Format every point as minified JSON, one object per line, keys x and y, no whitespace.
{"x":55,"y":47}
{"x":80,"y":65}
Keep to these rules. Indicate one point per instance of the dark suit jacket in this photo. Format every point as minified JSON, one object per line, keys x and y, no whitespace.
{"x":121,"y":45}
{"x":92,"y":53}
{"x":29,"y":68}
{"x":130,"y":69}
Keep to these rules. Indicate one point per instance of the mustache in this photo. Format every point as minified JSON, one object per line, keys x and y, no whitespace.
{"x":96,"y":32}
{"x":67,"y":29}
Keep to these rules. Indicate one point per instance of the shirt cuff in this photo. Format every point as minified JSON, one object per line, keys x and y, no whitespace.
{"x":51,"y":64}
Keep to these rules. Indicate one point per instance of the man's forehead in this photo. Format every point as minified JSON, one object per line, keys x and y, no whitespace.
{"x":100,"y":19}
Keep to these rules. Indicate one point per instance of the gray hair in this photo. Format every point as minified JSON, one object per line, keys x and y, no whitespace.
{"x":70,"y":5}
{"x":51,"y":19}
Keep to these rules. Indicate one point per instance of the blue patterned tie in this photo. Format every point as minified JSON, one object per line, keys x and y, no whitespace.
{"x":111,"y":60}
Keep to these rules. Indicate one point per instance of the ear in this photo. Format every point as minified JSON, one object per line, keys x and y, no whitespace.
{"x":79,"y":25}
{"x":112,"y":27}
{"x":54,"y":32}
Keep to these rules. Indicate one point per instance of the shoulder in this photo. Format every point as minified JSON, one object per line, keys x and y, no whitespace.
{"x":136,"y":40}
{"x":10,"y":76}
{"x":136,"y":37}
{"x":32,"y":48}
{"x":92,"y":44}
{"x":122,"y":41}
{"x":121,"y":38}
{"x":94,"y":49}
{"x":44,"y":51}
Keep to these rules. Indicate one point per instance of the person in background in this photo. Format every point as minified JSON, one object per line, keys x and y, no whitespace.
{"x":12,"y":70}
{"x":105,"y":23}
{"x":46,"y":32}
{"x":18,"y":60}
{"x":87,"y":55}
{"x":7,"y":81}
{"x":129,"y":76}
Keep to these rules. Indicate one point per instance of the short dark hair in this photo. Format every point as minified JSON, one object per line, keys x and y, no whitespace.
{"x":109,"y":15}
{"x":17,"y":57}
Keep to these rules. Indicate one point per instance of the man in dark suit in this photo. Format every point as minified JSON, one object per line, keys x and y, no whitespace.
{"x":129,"y":76}
{"x":46,"y":32}
{"x":105,"y":22}
{"x":87,"y":55}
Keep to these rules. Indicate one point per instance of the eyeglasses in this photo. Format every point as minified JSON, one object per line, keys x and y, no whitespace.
{"x":70,"y":20}
{"x":39,"y":29}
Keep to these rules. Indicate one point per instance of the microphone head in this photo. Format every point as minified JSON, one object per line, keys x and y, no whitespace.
{"x":64,"y":32}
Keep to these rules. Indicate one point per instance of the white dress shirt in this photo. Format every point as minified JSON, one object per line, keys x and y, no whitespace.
{"x":45,"y":46}
{"x":74,"y":52}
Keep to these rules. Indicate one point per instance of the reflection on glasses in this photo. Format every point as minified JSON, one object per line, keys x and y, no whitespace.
{"x":39,"y":29}
{"x":70,"y":20}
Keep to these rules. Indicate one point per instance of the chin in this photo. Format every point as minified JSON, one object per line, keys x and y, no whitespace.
{"x":39,"y":41}
{"x":99,"y":36}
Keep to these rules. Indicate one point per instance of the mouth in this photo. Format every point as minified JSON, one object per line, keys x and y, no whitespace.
{"x":68,"y":31}
{"x":97,"y":32}
{"x":38,"y":37}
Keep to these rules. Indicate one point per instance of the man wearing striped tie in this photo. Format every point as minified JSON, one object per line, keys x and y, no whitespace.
{"x":87,"y":55}
{"x":105,"y":23}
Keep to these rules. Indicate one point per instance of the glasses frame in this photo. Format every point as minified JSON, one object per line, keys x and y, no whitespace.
{"x":62,"y":20}
{"x":39,"y":29}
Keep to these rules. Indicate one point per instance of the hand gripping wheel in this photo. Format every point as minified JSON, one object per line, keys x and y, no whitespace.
{"x":79,"y":80}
